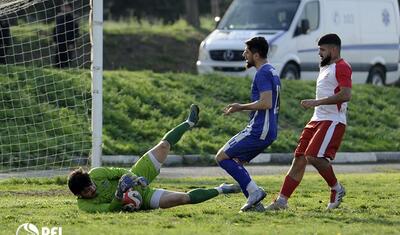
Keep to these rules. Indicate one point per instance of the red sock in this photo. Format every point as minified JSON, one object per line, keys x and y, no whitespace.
{"x":329,"y":176}
{"x":289,"y":185}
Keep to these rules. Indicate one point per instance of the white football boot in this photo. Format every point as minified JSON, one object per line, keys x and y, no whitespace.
{"x":336,"y":198}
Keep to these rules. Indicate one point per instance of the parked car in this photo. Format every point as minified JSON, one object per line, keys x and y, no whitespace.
{"x":369,"y":30}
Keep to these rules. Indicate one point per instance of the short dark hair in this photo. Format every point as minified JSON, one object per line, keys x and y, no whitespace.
{"x":258,"y":45}
{"x":78,"y":180}
{"x":330,"y":38}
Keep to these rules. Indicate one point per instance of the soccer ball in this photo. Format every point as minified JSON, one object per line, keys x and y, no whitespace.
{"x":132,"y":197}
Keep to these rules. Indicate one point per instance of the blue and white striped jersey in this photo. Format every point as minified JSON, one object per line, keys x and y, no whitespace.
{"x":264,"y":123}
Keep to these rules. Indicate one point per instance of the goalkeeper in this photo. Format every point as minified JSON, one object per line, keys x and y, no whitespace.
{"x":103,"y":188}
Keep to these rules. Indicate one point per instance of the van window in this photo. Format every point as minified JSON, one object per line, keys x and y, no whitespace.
{"x":259,"y":14}
{"x":310,"y":15}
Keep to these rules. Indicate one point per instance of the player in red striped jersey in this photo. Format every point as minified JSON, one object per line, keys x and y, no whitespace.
{"x":322,"y":136}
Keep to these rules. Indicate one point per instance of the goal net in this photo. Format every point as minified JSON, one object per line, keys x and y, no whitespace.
{"x":45,"y":86}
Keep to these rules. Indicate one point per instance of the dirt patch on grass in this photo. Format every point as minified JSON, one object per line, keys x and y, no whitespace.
{"x":46,"y":193}
{"x":156,"y":53}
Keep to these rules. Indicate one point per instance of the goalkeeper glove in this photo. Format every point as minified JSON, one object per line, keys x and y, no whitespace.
{"x":125,"y":182}
{"x":142,"y":181}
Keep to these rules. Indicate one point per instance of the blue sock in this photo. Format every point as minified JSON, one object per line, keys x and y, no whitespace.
{"x":238,"y":172}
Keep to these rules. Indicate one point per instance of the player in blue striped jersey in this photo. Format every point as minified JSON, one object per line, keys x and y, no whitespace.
{"x":262,"y":128}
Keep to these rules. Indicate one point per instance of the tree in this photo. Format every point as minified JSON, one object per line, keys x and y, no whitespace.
{"x":192,"y":13}
{"x":215,"y":9}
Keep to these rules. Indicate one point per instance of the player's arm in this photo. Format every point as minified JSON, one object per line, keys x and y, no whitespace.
{"x":110,"y":173}
{"x":344,"y":95}
{"x":265,"y":102}
{"x":263,"y":82}
{"x":125,"y":182}
{"x":343,"y":77}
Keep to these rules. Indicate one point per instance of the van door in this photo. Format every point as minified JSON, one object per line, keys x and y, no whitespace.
{"x":306,"y":34}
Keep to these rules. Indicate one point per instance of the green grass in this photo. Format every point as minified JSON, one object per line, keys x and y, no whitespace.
{"x":45,"y":111}
{"x":180,"y":30}
{"x":372,"y":206}
{"x":141,"y":106}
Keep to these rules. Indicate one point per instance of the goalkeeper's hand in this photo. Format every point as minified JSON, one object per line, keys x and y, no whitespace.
{"x":142,"y":181}
{"x":126,"y":182}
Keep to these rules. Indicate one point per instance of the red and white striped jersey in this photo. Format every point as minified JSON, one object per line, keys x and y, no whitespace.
{"x":330,"y":79}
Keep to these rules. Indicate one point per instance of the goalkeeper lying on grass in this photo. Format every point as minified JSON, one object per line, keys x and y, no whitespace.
{"x":106,"y":189}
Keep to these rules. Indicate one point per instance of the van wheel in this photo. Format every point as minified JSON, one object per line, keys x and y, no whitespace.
{"x":377,"y":76}
{"x":290,"y":72}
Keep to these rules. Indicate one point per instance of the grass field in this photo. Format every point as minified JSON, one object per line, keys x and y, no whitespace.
{"x":139,"y":107}
{"x":372,"y":206}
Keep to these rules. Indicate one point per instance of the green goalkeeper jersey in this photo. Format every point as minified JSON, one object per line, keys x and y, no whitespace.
{"x":106,"y":181}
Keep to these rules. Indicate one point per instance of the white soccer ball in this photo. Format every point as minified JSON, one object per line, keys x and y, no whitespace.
{"x":132,"y":197}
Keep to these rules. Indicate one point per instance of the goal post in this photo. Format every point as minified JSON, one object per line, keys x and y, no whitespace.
{"x":97,"y":76}
{"x":50,"y":86}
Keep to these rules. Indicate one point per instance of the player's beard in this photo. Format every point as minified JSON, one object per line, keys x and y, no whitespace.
{"x":249,"y":64}
{"x":325,"y":61}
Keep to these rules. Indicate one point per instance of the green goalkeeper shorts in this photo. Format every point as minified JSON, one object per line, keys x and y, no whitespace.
{"x":145,"y":167}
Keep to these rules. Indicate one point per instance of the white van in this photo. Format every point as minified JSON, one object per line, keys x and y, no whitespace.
{"x":369,"y":30}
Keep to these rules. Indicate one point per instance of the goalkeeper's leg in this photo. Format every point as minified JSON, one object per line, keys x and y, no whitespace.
{"x":149,"y":164}
{"x":171,"y":199}
{"x":161,"y":150}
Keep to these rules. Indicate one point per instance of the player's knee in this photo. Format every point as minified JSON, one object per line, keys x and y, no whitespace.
{"x":160,"y":151}
{"x":310,"y":159}
{"x":220,"y":156}
{"x":300,"y":161}
{"x":182,"y":199}
{"x":185,"y":199}
{"x":217,"y":158}
{"x":164,"y":146}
